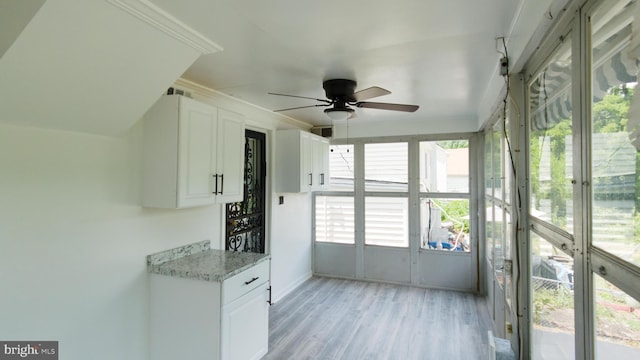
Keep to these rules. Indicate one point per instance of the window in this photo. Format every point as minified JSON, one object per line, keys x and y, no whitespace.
{"x":488,"y":184}
{"x":386,"y":167}
{"x":444,"y":221}
{"x":444,"y":224}
{"x":617,"y":324}
{"x":488,"y":180}
{"x":498,"y":214}
{"x":497,"y":154}
{"x":490,"y":230}
{"x":508,"y":165}
{"x":583,"y":159}
{"x":615,"y":144}
{"x":341,"y":167}
{"x":442,"y":170}
{"x":615,"y":166}
{"x":550,"y":158}
{"x":386,"y":221}
{"x":444,"y":166}
{"x":552,"y":299}
{"x":497,"y":218}
{"x":334,"y":219}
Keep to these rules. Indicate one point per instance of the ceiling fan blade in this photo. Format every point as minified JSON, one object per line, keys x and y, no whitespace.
{"x":386,"y":106}
{"x":302,"y":97}
{"x":301,"y":107}
{"x":371,"y":92}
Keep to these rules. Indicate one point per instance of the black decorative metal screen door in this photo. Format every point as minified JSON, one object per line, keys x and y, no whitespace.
{"x":246,"y":219}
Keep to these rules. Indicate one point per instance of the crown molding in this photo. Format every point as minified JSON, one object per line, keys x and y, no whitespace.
{"x":264,"y":114}
{"x":156,"y":17}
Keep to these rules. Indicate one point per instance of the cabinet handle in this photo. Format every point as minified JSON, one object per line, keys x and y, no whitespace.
{"x":221,"y":184}
{"x":216,"y":190}
{"x":269,"y":301}
{"x":321,"y":179}
{"x":252,"y":280}
{"x":310,"y":179}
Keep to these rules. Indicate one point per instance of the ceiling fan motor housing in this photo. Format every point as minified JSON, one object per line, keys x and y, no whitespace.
{"x":340,"y":90}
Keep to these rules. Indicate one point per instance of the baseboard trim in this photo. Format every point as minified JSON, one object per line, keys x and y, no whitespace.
{"x":294,"y":285}
{"x":424,"y":286}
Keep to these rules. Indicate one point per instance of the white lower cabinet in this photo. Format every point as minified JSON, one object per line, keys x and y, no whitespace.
{"x":195,"y":319}
{"x":243,"y":322}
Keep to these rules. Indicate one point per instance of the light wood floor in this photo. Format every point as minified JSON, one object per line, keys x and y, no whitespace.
{"x":341,"y":319}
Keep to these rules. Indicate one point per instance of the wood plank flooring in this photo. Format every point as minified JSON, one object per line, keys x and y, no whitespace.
{"x":342,"y":319}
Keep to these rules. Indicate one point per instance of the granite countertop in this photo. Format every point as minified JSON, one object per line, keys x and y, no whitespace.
{"x":197,"y":261}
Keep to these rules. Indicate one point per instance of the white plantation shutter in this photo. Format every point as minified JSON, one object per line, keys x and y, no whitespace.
{"x":386,"y":167}
{"x":335,"y":219}
{"x":386,"y":221}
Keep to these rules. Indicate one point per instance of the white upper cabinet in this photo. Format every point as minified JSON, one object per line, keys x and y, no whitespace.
{"x":196,"y":154}
{"x":302,"y":161}
{"x":320,"y":148}
{"x":193,"y":154}
{"x":230,"y":156}
{"x":306,"y":161}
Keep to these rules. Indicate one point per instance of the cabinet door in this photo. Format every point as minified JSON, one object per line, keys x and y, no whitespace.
{"x":307,"y":180}
{"x":196,"y":153}
{"x":245,"y":326}
{"x":230,"y":157}
{"x":320,"y":163}
{"x":289,"y":172}
{"x":325,"y":164}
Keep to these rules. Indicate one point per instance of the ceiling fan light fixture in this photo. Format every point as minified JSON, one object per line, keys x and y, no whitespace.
{"x":339,"y":114}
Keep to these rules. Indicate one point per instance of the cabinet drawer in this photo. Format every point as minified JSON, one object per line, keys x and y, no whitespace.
{"x":242,"y":283}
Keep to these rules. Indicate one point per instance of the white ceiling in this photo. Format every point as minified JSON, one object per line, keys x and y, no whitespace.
{"x":437,"y":54}
{"x":440,"y":55}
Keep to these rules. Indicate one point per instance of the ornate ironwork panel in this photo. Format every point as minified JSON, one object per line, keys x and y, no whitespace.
{"x":246,"y":219}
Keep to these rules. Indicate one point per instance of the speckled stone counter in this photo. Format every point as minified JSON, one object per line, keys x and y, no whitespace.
{"x":197,"y":261}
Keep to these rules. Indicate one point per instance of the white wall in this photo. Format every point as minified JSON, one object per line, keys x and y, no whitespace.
{"x":291,"y":243}
{"x":74,"y":239}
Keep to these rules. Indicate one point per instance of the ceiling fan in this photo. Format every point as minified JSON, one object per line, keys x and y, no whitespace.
{"x":341,"y":96}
